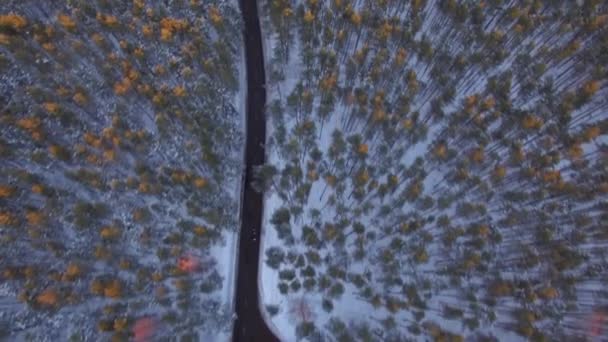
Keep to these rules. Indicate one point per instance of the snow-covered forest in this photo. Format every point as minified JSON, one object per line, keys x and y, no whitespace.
{"x":437,"y":170}
{"x":120,"y":164}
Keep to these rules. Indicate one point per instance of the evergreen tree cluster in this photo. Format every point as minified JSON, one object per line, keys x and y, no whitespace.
{"x":442,"y":164}
{"x":120,"y":143}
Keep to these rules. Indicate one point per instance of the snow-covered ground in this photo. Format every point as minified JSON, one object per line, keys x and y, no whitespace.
{"x":407,"y":222}
{"x":121,"y":163}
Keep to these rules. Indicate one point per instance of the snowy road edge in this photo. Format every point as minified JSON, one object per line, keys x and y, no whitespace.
{"x":261,"y":296}
{"x":240,"y":188}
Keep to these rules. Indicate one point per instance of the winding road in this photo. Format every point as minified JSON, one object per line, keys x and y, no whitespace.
{"x":249,"y":325}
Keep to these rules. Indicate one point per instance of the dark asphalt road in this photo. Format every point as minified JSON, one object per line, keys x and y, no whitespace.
{"x":249,"y":325}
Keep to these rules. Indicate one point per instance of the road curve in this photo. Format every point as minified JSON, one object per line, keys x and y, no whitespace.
{"x":249,"y":325}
